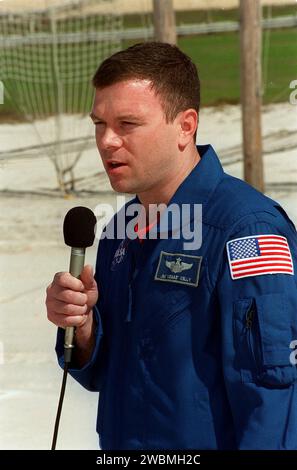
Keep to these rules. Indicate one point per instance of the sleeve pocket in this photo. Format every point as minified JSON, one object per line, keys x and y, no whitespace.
{"x":275,"y":329}
{"x":263,"y":329}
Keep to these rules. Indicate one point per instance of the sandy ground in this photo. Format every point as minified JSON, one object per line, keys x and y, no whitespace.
{"x":32,"y":250}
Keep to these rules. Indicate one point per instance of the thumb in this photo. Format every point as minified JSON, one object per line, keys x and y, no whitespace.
{"x":87,"y":277}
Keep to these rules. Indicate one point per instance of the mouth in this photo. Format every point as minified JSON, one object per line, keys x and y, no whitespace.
{"x":114,"y":166}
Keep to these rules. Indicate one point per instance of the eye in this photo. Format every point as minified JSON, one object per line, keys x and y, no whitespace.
{"x":128,"y":123}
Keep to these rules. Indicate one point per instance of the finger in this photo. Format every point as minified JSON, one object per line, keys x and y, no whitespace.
{"x":87,"y":277}
{"x":61,"y":308}
{"x":64,"y":320}
{"x":49,"y":287}
{"x":71,"y":297}
{"x":66,"y":280}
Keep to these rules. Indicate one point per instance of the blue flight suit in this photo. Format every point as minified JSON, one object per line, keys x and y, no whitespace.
{"x":188,"y":356}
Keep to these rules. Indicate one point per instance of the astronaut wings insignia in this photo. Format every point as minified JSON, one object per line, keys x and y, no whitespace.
{"x":178,"y":266}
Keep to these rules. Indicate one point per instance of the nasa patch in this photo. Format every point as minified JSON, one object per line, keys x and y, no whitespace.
{"x":119,"y":255}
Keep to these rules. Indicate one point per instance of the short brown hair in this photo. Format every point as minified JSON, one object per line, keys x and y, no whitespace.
{"x":173,"y":75}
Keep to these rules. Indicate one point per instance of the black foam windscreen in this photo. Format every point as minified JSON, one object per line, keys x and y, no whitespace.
{"x":79,"y":227}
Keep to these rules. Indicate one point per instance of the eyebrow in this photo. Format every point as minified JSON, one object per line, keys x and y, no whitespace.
{"x":93,"y":117}
{"x":120,"y":118}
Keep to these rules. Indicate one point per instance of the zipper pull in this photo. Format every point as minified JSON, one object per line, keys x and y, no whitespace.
{"x":249,"y":317}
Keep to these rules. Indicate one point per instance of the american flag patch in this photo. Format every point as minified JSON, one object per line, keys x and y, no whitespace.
{"x":259,"y":254}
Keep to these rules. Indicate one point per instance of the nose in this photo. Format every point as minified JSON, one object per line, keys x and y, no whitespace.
{"x":108,"y":139}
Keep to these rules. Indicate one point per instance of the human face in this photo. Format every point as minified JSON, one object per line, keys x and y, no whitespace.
{"x":139,"y":150}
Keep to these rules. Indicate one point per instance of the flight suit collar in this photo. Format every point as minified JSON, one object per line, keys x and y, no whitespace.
{"x":198,"y":186}
{"x":202,"y":180}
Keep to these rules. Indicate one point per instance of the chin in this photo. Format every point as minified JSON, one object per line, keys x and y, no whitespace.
{"x":121,"y":187}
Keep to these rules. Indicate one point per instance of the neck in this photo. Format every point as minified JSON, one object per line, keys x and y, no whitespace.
{"x":164,"y":193}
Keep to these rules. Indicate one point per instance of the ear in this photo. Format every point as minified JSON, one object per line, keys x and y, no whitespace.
{"x":187,"y":124}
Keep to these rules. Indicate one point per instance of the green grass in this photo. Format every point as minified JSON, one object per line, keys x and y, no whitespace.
{"x":209,"y":15}
{"x":218,"y":60}
{"x":217,"y":57}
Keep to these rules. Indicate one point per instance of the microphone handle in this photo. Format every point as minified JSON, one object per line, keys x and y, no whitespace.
{"x":77,"y":261}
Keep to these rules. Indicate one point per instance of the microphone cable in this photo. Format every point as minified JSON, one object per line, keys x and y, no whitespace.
{"x":62,"y":393}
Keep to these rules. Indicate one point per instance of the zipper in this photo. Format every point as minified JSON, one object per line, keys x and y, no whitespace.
{"x":250,"y":332}
{"x":249,"y":317}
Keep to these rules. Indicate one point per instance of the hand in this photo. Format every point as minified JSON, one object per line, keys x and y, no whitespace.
{"x":69,"y":301}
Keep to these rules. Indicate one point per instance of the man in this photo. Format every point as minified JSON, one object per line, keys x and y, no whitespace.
{"x":189,"y":346}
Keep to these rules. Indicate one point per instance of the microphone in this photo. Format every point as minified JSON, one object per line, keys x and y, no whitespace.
{"x":79,"y":233}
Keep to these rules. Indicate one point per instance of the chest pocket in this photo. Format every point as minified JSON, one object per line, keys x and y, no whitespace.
{"x":263,"y":328}
{"x":175,"y":305}
{"x":174,"y":308}
{"x":172,"y":303}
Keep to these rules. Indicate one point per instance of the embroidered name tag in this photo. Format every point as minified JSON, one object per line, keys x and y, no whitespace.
{"x":180,"y":268}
